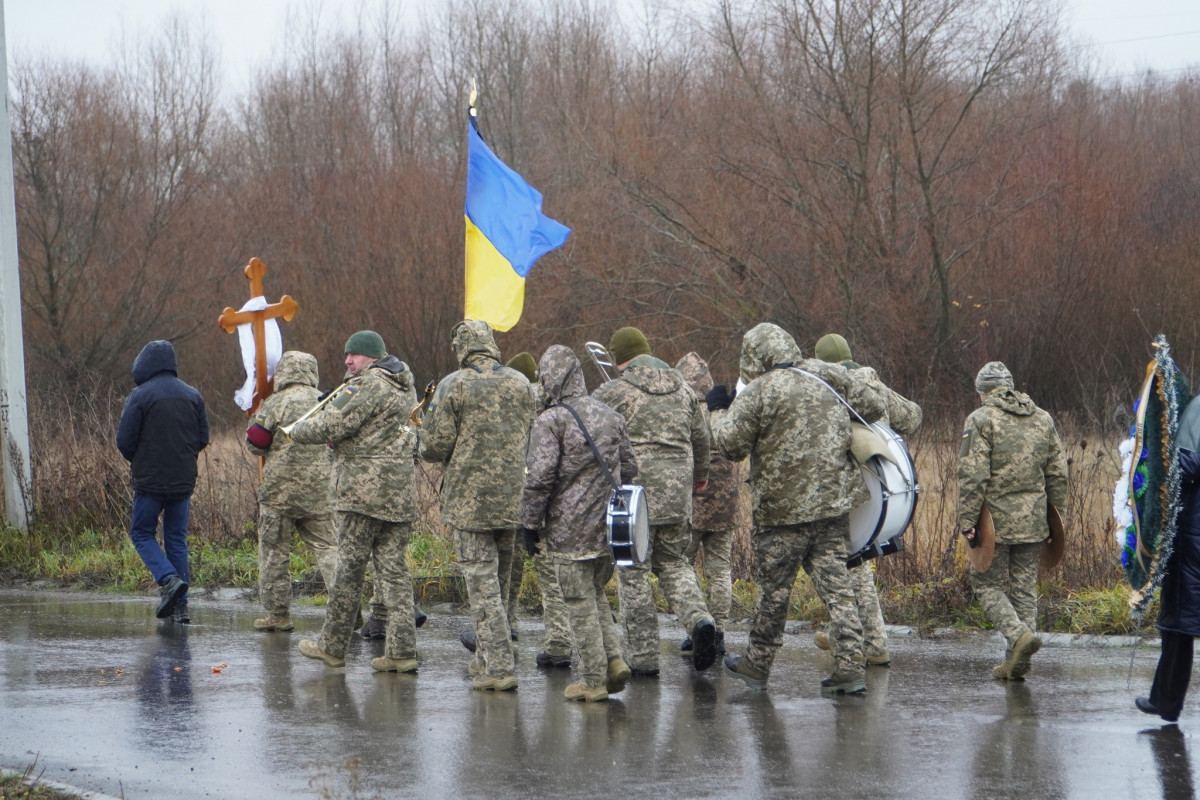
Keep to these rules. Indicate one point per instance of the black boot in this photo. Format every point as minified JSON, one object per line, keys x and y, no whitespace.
{"x":181,"y":614}
{"x":169,"y":595}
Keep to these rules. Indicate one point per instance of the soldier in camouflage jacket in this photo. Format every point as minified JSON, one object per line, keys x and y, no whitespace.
{"x":803,"y":483}
{"x":1010,"y":460}
{"x":564,"y":505}
{"x":296,"y":489}
{"x":671,"y":443}
{"x":714,"y":513}
{"x":903,"y":416}
{"x":366,"y":422}
{"x":477,"y":427}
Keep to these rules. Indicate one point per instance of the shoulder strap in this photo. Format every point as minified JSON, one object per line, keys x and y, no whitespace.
{"x":840,"y":399}
{"x":592,"y":444}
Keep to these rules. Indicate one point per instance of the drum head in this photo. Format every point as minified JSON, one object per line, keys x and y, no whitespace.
{"x":641,"y":529}
{"x":892,"y":484}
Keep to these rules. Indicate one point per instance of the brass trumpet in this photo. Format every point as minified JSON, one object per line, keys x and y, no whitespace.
{"x":418,"y":411}
{"x":324,"y":401}
{"x":601,"y":358}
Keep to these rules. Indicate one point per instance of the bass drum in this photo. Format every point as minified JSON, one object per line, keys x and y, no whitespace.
{"x":628,"y":526}
{"x":876,"y":525}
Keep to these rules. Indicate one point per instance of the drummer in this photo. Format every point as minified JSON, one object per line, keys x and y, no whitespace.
{"x":904,"y":417}
{"x":563,"y":509}
{"x":797,"y":434}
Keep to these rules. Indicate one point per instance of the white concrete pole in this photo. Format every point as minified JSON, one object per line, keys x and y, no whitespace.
{"x":14,"y":412}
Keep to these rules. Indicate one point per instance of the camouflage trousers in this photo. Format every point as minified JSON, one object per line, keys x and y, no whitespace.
{"x":581,"y":587}
{"x":361,"y":539}
{"x":274,"y":549}
{"x":1015,"y":611}
{"x":557,"y":641}
{"x":676,"y":578}
{"x":820,"y":548}
{"x":516,"y":573}
{"x":862,"y":580}
{"x":485,"y":558}
{"x":718,"y":545}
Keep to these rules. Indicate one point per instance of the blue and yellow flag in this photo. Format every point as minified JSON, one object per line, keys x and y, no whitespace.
{"x":506,"y":233}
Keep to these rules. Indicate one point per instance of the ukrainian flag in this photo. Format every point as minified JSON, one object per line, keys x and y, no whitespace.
{"x":506,"y":233}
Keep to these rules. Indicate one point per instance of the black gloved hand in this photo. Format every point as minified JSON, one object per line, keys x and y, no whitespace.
{"x":531,"y":541}
{"x":719,"y":397}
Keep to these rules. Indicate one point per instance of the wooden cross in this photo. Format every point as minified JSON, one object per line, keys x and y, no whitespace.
{"x":230,"y":319}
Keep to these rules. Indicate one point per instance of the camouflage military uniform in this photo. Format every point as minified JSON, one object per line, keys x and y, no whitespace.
{"x":296,"y":489}
{"x":803,"y":484}
{"x":477,"y":426}
{"x":566,"y":498}
{"x":904,"y":417}
{"x":671,"y":444}
{"x":714,"y":510}
{"x":1012,"y":460}
{"x":367,"y":424}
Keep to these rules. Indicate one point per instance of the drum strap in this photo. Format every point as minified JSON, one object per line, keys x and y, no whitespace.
{"x":840,"y":399}
{"x":595,"y":450}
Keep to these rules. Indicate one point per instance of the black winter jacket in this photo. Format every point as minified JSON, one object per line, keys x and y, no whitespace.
{"x":1179,"y":609}
{"x":163,"y":427}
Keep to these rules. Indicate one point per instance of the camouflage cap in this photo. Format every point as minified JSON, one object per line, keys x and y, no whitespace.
{"x":832,"y":348}
{"x":994,"y":375}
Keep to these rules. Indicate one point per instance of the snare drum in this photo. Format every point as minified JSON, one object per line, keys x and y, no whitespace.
{"x":876,"y":525}
{"x":628,"y":526}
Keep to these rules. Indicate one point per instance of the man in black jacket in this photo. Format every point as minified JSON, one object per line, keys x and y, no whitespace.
{"x":163,"y":429}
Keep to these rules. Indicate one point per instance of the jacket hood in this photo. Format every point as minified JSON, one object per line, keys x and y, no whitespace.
{"x":652,"y":375}
{"x":296,"y":368}
{"x":764,"y":346}
{"x":395,"y":371}
{"x":473,"y":336}
{"x":560,"y":375}
{"x":1010,"y":401}
{"x":157,"y":356}
{"x":695,"y":372}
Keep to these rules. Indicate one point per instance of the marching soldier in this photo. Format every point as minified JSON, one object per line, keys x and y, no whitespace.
{"x":477,"y":427}
{"x":1010,"y":460}
{"x":797,"y":434}
{"x":714,"y":514}
{"x":904,"y":417}
{"x":366,"y":422}
{"x":566,"y":495}
{"x":671,"y":443}
{"x":296,"y":490}
{"x":556,"y":645}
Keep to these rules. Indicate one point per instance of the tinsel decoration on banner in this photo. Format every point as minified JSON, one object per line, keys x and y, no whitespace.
{"x":1146,"y":501}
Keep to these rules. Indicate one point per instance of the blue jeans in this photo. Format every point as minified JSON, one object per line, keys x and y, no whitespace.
{"x":175,"y":511}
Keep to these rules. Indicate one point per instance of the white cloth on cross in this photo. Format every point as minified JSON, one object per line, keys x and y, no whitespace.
{"x":244,"y":396}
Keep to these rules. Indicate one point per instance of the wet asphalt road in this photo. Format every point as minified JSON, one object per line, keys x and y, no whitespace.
{"x":108,"y":699}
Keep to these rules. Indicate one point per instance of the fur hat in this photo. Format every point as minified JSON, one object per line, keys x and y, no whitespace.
{"x":832,"y":348}
{"x":628,"y":343}
{"x":994,"y":375}
{"x":366,"y":343}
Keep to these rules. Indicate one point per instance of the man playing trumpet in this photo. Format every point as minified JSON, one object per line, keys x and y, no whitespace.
{"x":366,"y":423}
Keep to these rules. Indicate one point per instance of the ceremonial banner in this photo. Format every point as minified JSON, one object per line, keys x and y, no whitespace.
{"x":506,"y":233}
{"x":244,"y":396}
{"x":1146,"y":501}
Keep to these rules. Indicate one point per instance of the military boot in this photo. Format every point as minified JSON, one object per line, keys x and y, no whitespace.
{"x":822,"y":640}
{"x":1023,"y":651}
{"x":485,"y":683}
{"x":719,"y":643}
{"x":704,"y":645}
{"x":373,"y":629}
{"x":274,"y":622}
{"x":844,"y":683}
{"x":618,"y":675}
{"x":879,"y":659}
{"x":313,"y":650}
{"x":1001,"y":671}
{"x":686,"y":645}
{"x":386,"y":664}
{"x":551,"y":661}
{"x":581,"y":691}
{"x":419,"y":617}
{"x":738,"y":667}
{"x":467,"y":637}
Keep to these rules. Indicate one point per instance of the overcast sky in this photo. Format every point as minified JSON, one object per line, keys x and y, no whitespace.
{"x":1126,"y":35}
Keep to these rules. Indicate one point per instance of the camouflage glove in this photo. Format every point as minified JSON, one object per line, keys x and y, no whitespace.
{"x":531,"y":541}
